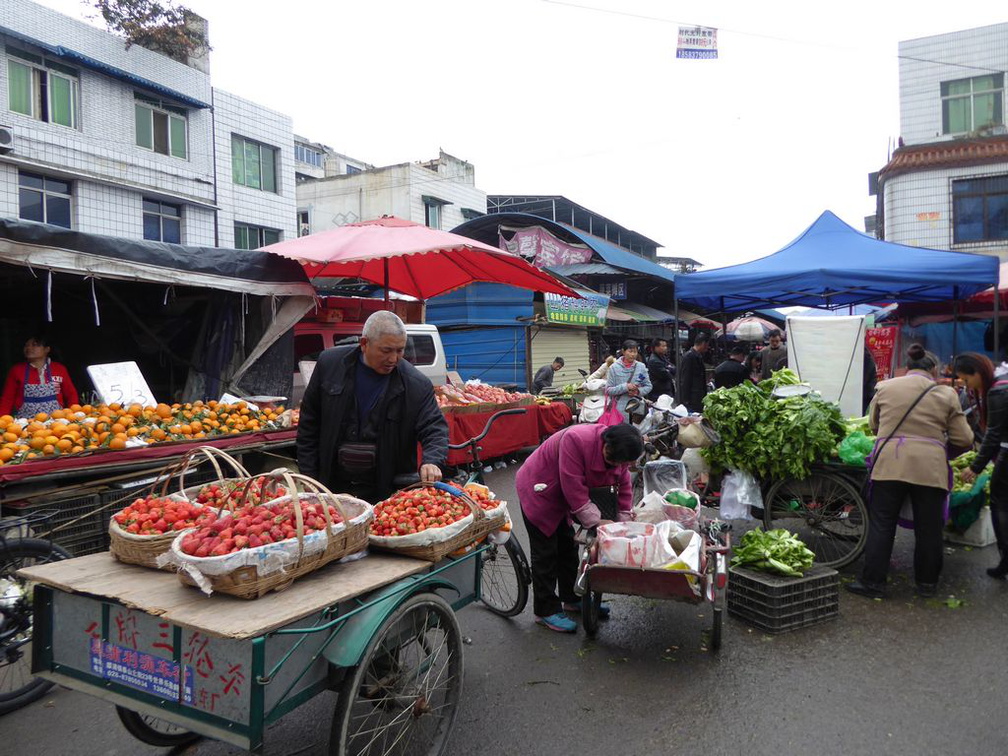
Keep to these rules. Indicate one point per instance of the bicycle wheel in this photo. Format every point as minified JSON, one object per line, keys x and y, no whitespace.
{"x":403,"y":696}
{"x":504,"y":578}
{"x":825,"y":511}
{"x":154,"y":731}
{"x":17,"y":685}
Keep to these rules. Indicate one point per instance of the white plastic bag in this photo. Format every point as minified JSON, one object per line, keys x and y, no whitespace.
{"x":624,"y":544}
{"x":663,"y":475}
{"x":650,"y":509}
{"x":739,"y":492}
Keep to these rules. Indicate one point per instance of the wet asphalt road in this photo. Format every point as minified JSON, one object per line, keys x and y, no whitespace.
{"x":900,"y":676}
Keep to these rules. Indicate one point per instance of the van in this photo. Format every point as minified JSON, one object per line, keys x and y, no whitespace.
{"x":424,"y":349}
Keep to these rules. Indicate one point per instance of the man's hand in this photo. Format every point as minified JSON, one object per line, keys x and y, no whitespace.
{"x":430,"y":474}
{"x":967,"y":475}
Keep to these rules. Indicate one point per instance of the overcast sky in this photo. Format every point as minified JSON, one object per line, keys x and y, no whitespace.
{"x":721,"y":160}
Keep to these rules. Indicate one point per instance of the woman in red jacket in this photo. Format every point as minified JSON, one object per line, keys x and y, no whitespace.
{"x":38,"y":384}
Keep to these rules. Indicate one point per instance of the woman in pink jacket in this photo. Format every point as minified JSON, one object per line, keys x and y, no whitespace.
{"x":556,"y":486}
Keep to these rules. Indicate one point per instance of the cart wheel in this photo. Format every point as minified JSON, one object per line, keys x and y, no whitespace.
{"x":715,"y":636}
{"x":404,"y":694}
{"x":154,"y":731}
{"x":825,"y":511}
{"x":505,"y":578}
{"x":590,"y":603}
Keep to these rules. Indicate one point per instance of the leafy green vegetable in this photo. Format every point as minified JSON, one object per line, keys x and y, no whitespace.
{"x":771,"y":438}
{"x":782,"y":377}
{"x":963,"y":462}
{"x":777,"y":551}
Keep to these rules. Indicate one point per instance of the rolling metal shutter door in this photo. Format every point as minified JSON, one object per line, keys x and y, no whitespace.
{"x":569,"y":343}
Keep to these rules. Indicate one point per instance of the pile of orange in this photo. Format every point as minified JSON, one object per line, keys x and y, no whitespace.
{"x":78,"y":428}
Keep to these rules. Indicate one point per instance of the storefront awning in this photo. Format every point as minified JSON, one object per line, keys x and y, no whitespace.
{"x":632,"y":311}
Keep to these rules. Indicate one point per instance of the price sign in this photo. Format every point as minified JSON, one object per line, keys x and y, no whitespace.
{"x":121,"y":383}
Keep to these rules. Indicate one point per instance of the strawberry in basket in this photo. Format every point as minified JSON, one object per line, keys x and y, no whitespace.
{"x":416,"y":510}
{"x":156,"y":515}
{"x":220,"y":494}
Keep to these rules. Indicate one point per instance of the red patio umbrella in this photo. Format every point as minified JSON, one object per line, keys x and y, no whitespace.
{"x":412,"y":259}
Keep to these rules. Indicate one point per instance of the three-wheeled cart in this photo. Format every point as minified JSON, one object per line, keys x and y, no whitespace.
{"x":710,"y":584}
{"x":178,"y":664}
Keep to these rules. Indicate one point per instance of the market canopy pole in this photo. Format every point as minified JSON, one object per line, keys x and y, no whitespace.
{"x":386,"y":285}
{"x":955,"y":320}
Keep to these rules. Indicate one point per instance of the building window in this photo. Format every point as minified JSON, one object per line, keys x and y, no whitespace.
{"x":253,"y":164}
{"x":980,"y":209}
{"x":44,"y":199}
{"x":432,"y":211}
{"x":160,"y":127}
{"x":972,"y":104}
{"x":304,"y":223}
{"x":248,"y":236}
{"x":162,"y":221}
{"x":352,"y":169}
{"x":41,"y":89}
{"x":307,"y":155}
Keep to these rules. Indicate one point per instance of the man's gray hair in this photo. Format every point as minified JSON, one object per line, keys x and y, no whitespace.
{"x":383,"y":323}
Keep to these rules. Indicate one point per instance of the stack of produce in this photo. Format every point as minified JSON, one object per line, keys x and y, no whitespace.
{"x":476,"y":393}
{"x":962,"y":462}
{"x":449,"y":396}
{"x":494,"y":395}
{"x":777,"y":551}
{"x":87,"y":428}
{"x":771,"y":438}
{"x":231,"y":492}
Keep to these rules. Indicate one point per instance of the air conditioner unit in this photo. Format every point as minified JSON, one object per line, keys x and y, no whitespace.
{"x":6,"y":139}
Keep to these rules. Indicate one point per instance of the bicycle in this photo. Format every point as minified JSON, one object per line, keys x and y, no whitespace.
{"x":505,"y":574}
{"x":18,"y":687}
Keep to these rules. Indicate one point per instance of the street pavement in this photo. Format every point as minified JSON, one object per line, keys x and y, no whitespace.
{"x":900,"y":676}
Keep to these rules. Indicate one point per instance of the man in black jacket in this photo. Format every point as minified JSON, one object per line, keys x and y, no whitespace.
{"x":693,"y":375}
{"x":732,"y":372}
{"x":660,"y":370}
{"x":364,"y":412}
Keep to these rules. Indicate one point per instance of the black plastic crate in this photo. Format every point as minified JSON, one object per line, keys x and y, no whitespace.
{"x":85,"y":544}
{"x":777,"y":604}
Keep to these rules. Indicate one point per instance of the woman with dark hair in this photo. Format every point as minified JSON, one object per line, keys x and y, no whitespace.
{"x":914,"y":419}
{"x":559,"y":484}
{"x":977,"y":373}
{"x":627,"y":378}
{"x":38,"y":384}
{"x":754,"y":366}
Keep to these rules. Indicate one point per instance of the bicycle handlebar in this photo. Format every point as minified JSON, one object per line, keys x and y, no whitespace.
{"x":486,"y":430}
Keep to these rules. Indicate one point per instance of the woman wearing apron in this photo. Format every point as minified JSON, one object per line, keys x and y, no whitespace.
{"x":38,"y":384}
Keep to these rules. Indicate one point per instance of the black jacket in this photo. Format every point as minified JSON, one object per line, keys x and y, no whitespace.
{"x":660,"y":370}
{"x":542,"y":379}
{"x":729,"y":374}
{"x":411,"y":416}
{"x":997,"y":418}
{"x":692,"y":381}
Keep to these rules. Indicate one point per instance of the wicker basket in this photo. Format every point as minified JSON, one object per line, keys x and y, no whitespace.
{"x":246,"y":581}
{"x":144,"y":550}
{"x":480,"y":526}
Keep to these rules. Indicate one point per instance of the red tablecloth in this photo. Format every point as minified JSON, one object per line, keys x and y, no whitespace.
{"x":508,"y":434}
{"x":88,"y":462}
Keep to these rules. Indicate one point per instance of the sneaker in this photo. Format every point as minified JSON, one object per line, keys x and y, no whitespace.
{"x":866,"y":590}
{"x":603,"y":610}
{"x":558,"y":622}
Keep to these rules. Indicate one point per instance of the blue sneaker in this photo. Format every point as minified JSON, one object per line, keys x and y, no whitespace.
{"x":558,"y":622}
{"x":603,"y":610}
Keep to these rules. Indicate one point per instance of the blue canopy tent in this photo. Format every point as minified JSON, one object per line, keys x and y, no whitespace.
{"x":832,"y":265}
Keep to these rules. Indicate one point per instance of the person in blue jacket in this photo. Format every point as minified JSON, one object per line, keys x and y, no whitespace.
{"x":627,"y":378}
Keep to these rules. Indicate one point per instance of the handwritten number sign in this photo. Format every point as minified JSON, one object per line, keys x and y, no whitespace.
{"x":121,"y":383}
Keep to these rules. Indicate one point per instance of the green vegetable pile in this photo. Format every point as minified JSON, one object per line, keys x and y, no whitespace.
{"x":681,"y":499}
{"x":571,"y":388}
{"x":772,"y":438}
{"x":962,"y":462}
{"x":773,"y":551}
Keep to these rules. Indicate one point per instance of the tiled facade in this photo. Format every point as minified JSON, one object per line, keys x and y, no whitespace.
{"x":111,"y":175}
{"x":938,"y":154}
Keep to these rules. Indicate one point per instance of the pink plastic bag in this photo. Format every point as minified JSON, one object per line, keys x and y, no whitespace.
{"x":612,"y":415}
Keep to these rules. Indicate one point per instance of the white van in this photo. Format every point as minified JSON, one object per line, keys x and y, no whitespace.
{"x":424,"y":349}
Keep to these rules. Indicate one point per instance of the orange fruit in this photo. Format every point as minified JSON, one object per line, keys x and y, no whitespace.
{"x":64,"y":444}
{"x":77,"y":450}
{"x":134,"y":431}
{"x":158,"y":434}
{"x":118,"y":428}
{"x":119,"y":442}
{"x":10,"y":437}
{"x":163,"y":410}
{"x":37,"y":442}
{"x":6,"y":420}
{"x":115,"y":407}
{"x":135,"y":410}
{"x":41,"y":417}
{"x":185,"y":430}
{"x":48,"y":449}
{"x":51,"y":440}
{"x":6,"y":454}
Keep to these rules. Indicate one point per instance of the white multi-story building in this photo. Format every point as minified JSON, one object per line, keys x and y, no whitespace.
{"x":131,"y":143}
{"x":439,"y":193}
{"x":946,"y":187}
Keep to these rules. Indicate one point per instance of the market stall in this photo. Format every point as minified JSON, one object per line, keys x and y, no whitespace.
{"x":510,"y":434}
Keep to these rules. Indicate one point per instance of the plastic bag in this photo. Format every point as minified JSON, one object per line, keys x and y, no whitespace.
{"x":650,"y":509}
{"x":855,"y":448}
{"x":663,"y":475}
{"x":624,"y":544}
{"x":965,"y":506}
{"x":739,"y":492}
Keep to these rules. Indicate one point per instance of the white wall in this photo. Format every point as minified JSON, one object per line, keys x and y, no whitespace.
{"x":956,"y":55}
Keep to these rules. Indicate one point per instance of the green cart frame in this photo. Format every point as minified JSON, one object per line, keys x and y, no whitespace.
{"x":380,"y":630}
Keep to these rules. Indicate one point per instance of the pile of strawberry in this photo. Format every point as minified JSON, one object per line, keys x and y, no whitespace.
{"x":481,"y":495}
{"x":416,"y":510}
{"x":155,"y":515}
{"x":254,"y":525}
{"x":231,"y":492}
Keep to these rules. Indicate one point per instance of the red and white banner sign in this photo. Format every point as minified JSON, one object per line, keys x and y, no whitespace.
{"x":546,"y":250}
{"x":881,"y":343}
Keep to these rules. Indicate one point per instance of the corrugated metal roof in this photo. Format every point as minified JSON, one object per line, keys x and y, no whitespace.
{"x":640,"y":313}
{"x":587,"y":269}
